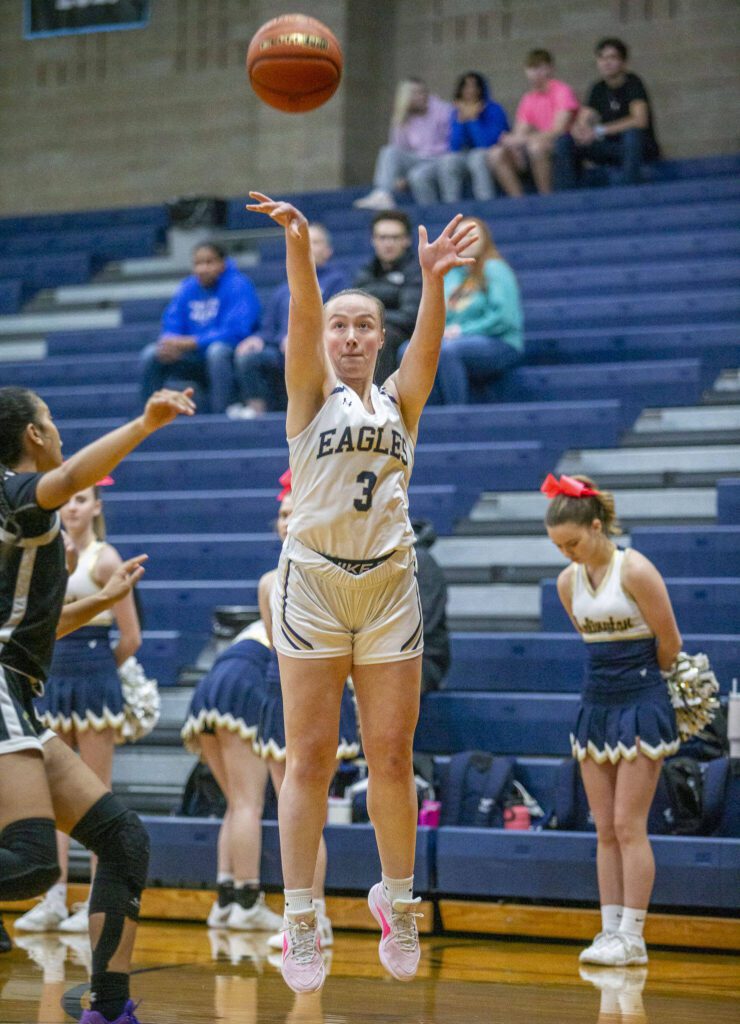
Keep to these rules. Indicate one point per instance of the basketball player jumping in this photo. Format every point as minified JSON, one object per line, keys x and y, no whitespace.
{"x":346,"y":600}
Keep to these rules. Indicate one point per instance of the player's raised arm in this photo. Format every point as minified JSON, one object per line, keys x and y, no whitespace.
{"x":307,"y":368}
{"x":99,"y":458}
{"x":414,"y":378}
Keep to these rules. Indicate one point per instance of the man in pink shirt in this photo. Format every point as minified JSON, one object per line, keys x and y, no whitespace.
{"x":544,"y":113}
{"x":420,"y":132}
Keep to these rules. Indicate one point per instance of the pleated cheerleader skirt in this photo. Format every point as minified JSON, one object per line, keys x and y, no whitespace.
{"x":230,"y":695}
{"x":271,"y":732}
{"x":625,"y":708}
{"x":83,"y":690}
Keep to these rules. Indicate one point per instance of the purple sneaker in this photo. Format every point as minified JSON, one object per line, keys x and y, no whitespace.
{"x":127,"y":1017}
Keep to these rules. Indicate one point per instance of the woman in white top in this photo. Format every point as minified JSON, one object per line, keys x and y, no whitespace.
{"x":346,"y":600}
{"x":619,"y":604}
{"x":82,"y":700}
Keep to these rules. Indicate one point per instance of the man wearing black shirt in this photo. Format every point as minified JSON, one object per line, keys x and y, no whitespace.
{"x":614,"y":127}
{"x":393,"y":276}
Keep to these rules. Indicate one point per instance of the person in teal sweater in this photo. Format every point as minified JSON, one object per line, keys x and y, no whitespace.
{"x":484,"y":327}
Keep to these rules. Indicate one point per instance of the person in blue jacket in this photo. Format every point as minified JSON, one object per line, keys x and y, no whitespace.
{"x":259,"y":360}
{"x":212,"y":311}
{"x":477,"y":122}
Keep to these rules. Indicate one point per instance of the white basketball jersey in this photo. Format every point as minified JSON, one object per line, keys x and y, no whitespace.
{"x":351,"y":470}
{"x":81,"y":582}
{"x":607,"y":613}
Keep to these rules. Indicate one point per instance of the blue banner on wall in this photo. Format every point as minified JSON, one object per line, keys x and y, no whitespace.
{"x":62,"y":17}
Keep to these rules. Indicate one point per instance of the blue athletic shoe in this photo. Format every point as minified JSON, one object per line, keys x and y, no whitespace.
{"x":127,"y":1017}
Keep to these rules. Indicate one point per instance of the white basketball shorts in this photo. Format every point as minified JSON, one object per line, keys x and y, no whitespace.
{"x":320,"y":610}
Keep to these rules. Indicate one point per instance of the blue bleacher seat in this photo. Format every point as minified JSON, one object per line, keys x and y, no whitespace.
{"x":554,"y":662}
{"x":701,"y":605}
{"x":69,"y":371}
{"x":636,"y":385}
{"x":44,"y":271}
{"x":187,"y":604}
{"x":691,"y":550}
{"x":183,"y":854}
{"x":155,"y":216}
{"x":502,"y":723}
{"x":129,"y":338}
{"x":11,"y":295}
{"x":494,"y":863}
{"x":728,"y":502}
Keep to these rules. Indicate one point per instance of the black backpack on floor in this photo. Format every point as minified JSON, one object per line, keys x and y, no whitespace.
{"x":476,"y":788}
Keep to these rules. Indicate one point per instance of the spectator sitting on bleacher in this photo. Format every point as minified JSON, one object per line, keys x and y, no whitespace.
{"x":543,"y":114}
{"x":394,"y":277}
{"x":484,"y":328}
{"x":477,"y":124}
{"x":614,"y":127}
{"x":212,"y":311}
{"x":420,"y":132}
{"x":259,"y":360}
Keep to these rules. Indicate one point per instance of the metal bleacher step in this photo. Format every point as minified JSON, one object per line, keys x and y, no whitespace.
{"x":495,"y":607}
{"x":726,"y":389}
{"x":523,"y":512}
{"x":707,"y":425}
{"x":25,"y":324}
{"x":507,"y":559}
{"x":698,"y":465}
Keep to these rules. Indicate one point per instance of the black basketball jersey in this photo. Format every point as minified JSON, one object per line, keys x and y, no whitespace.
{"x":33,"y":578}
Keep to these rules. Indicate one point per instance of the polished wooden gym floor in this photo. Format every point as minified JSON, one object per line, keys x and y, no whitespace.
{"x":188,"y":975}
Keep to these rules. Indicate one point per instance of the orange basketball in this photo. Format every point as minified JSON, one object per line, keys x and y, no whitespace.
{"x":294,"y":63}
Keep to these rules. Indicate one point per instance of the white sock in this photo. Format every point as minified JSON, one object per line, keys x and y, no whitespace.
{"x":298,"y":901}
{"x":611,"y":915}
{"x":224,"y":877}
{"x":320,"y":906}
{"x":248,"y":883}
{"x":633,"y":921}
{"x":399,"y":888}
{"x":58,"y":893}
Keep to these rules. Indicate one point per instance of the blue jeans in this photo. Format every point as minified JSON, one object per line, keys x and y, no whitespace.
{"x":260,"y":375}
{"x":626,"y":151}
{"x":212,"y":369}
{"x":465,"y":358}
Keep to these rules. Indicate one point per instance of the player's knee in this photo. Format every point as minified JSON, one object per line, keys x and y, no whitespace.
{"x":116,"y":835}
{"x":28,"y":857}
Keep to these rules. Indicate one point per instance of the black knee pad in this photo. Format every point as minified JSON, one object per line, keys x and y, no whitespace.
{"x":121,"y":843}
{"x":28,"y":858}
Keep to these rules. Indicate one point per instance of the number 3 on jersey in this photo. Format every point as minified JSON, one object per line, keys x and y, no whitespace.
{"x":364,"y":503}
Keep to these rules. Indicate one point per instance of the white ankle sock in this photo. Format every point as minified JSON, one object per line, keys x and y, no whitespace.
{"x":633,"y":921}
{"x":224,"y":877}
{"x":399,"y":888}
{"x":298,"y":901}
{"x":611,"y":915}
{"x":57,"y":893}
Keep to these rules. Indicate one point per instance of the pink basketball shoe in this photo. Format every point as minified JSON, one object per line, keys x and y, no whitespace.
{"x":303,"y":966}
{"x":399,"y":949}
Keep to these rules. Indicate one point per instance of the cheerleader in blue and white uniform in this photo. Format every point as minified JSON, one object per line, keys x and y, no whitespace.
{"x":221,"y":727}
{"x":271,"y":732}
{"x":82,"y":701}
{"x":626,"y":725}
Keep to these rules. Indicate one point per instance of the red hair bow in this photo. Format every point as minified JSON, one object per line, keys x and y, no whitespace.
{"x":107,"y":481}
{"x":567,"y":485}
{"x":286,"y":481}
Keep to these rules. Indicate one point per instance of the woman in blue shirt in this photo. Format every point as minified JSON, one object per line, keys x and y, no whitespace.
{"x":476,"y":124}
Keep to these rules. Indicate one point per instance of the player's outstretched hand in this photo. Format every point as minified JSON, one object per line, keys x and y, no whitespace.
{"x":446,"y":252}
{"x":124,"y":578}
{"x":283,"y":213}
{"x":164,"y":406}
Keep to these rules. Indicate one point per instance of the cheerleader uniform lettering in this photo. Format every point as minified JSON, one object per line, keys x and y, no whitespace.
{"x":624,"y":697}
{"x":347,"y":575}
{"x":33,"y":577}
{"x":83,"y":690}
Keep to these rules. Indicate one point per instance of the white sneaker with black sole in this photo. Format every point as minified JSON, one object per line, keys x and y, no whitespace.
{"x":258,"y":918}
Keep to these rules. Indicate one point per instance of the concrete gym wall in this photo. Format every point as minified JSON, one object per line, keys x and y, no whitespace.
{"x":141,"y":116}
